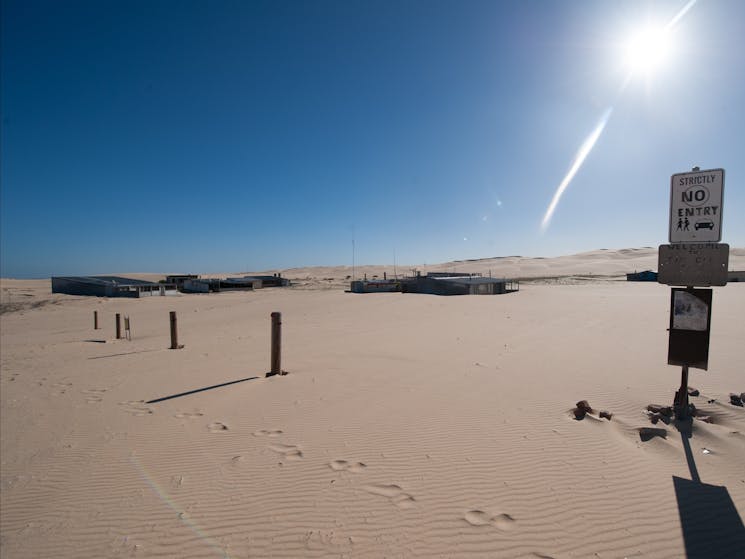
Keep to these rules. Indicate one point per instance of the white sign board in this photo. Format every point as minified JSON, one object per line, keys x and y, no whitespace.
{"x":696,"y":206}
{"x":689,"y":312}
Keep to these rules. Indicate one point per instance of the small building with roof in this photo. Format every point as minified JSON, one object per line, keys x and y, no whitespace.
{"x":108,"y":286}
{"x":442,"y":283}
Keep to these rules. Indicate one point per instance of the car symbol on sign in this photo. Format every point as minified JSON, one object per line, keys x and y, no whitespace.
{"x":707,"y":224}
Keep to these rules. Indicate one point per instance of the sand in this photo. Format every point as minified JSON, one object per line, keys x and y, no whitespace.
{"x":408,"y":425}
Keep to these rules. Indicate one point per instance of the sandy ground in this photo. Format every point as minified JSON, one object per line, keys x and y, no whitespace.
{"x":409,"y":425}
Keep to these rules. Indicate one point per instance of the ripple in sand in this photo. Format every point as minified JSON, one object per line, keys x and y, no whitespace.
{"x":188,"y":415}
{"x":267,"y":433}
{"x":136,"y":407}
{"x":393,"y":492}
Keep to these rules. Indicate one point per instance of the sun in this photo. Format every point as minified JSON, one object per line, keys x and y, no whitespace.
{"x":648,"y":49}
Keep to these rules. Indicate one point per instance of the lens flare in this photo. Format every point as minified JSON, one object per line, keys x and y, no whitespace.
{"x":654,"y":40}
{"x":161,"y":492}
{"x":683,"y":11}
{"x":579,"y":158}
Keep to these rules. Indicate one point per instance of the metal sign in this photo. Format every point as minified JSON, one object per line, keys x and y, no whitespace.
{"x":700,"y":265}
{"x":690,"y":321}
{"x":696,"y":206}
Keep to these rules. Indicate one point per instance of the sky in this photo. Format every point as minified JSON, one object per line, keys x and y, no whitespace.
{"x":217,"y":136}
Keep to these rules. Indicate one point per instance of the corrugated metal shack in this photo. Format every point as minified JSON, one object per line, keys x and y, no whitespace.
{"x":108,"y":286}
{"x":271,"y":281}
{"x":206,"y":285}
{"x":179,"y":279}
{"x":195,"y":284}
{"x":375,"y":286}
{"x":440,"y":283}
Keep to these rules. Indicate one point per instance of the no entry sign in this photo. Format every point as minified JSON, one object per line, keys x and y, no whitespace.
{"x":696,"y":206}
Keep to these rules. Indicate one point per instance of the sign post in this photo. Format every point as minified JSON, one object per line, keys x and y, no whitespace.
{"x":694,"y":258}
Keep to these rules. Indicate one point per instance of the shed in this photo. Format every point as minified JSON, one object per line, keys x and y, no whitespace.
{"x":239,"y":284}
{"x":458,"y":284}
{"x":179,"y":279}
{"x":107,"y":286}
{"x":375,"y":286}
{"x":271,"y":281}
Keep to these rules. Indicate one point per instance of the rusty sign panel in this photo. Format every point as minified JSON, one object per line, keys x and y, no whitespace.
{"x":690,"y":321}
{"x":693,"y":264}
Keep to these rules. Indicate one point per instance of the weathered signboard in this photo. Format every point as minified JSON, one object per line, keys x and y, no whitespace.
{"x":696,"y":206}
{"x":693,"y":264}
{"x":690,"y":321}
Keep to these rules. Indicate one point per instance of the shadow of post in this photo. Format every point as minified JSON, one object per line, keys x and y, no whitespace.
{"x":711,"y":525}
{"x":196,"y":390}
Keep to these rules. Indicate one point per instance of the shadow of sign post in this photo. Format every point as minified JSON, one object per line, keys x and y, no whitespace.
{"x":711,"y":525}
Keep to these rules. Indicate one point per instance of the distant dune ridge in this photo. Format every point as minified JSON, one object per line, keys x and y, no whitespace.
{"x":408,"y":425}
{"x":600,"y":263}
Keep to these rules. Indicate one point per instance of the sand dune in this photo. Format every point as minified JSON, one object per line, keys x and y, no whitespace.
{"x":409,"y":425}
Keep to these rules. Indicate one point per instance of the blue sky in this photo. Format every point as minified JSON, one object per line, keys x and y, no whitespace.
{"x":232,"y":135}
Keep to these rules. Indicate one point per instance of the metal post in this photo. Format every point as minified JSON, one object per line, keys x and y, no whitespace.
{"x":95,"y":320}
{"x":174,"y":332}
{"x":118,"y":326}
{"x":276,"y":367}
{"x":681,"y":402}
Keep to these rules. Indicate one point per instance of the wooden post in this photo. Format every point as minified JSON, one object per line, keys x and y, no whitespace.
{"x":276,"y":364}
{"x":174,"y":332}
{"x":118,"y":326}
{"x":127,"y":330}
{"x":95,"y":320}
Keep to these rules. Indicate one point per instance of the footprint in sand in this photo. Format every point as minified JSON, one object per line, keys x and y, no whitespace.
{"x":177,"y":482}
{"x":344,"y":466}
{"x":136,"y":407}
{"x":217,"y":427}
{"x":289,"y":451}
{"x":94,"y":395}
{"x":393,"y":492}
{"x":481,"y":518}
{"x":189,"y":415}
{"x":267,"y":433}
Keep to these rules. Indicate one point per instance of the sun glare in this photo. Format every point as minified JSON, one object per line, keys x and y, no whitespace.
{"x":648,"y":49}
